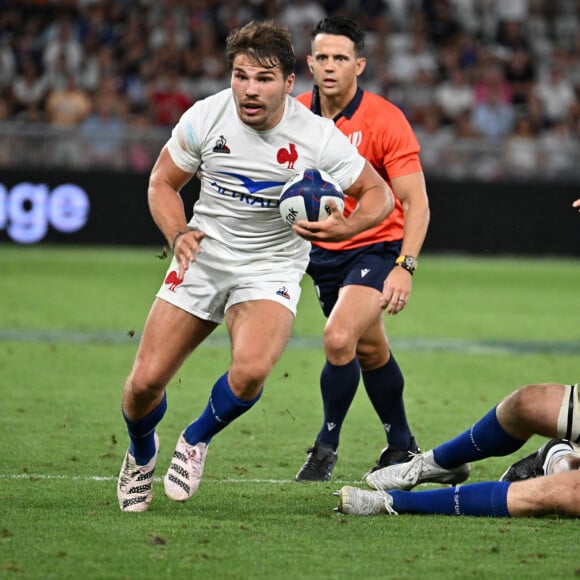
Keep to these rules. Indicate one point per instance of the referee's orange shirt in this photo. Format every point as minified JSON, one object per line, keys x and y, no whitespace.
{"x":382,"y":134}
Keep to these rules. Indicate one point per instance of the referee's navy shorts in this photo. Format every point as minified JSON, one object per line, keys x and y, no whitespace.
{"x":365,"y":266}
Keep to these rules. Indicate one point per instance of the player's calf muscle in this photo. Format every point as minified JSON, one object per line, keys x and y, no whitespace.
{"x":552,"y":494}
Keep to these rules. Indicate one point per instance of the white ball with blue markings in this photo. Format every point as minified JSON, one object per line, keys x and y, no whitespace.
{"x":306,"y":197}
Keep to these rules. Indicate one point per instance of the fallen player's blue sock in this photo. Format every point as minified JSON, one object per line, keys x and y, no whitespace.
{"x":486,"y":438}
{"x":476,"y":499}
{"x":222,"y":408}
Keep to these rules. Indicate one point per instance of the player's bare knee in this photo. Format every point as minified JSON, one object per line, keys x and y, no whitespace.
{"x":372,"y":352}
{"x":246,"y":382}
{"x":338,"y":346}
{"x":521,"y":404}
{"x":143,"y":387}
{"x":370,"y":360}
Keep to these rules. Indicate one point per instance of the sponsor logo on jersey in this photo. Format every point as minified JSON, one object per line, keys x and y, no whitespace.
{"x":283,"y":291}
{"x":220,"y":145}
{"x":288,"y":156}
{"x":173,"y":280}
{"x":252,"y":187}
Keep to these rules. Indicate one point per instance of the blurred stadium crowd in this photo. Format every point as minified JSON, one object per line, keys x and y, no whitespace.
{"x":492,"y":87}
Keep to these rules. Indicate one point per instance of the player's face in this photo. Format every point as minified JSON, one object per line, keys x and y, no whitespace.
{"x":335,"y":66}
{"x":259,"y":92}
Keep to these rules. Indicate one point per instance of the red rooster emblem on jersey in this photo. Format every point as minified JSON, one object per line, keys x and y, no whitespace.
{"x":287,"y":155}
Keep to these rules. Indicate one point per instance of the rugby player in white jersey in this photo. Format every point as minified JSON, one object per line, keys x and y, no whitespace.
{"x":235,"y":260}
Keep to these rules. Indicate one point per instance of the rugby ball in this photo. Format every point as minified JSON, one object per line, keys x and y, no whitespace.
{"x":306,"y":197}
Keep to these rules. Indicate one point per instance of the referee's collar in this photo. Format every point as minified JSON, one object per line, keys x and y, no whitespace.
{"x":347,"y":112}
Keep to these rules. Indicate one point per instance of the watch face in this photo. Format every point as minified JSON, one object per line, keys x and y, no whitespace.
{"x":409,"y":263}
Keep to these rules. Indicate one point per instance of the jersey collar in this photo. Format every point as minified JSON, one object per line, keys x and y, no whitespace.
{"x":347,"y":112}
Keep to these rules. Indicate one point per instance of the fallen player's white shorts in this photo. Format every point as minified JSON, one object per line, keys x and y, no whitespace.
{"x":569,"y":416}
{"x":220,"y":277}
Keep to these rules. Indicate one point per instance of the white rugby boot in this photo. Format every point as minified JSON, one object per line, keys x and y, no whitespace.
{"x":135,"y":483}
{"x":184,"y":474}
{"x":361,"y":502}
{"x":422,"y":468}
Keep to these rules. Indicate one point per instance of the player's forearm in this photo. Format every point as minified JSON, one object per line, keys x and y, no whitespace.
{"x":415,"y":229}
{"x":166,"y":207}
{"x":165,"y":202}
{"x":412,"y":193}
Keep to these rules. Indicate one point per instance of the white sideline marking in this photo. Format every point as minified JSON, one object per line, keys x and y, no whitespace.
{"x":32,"y":476}
{"x":114,"y":478}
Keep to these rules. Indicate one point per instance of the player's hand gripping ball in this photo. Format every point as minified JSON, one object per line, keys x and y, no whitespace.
{"x":306,"y":197}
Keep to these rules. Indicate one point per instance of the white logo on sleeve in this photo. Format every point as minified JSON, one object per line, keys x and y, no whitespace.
{"x":364,"y":272}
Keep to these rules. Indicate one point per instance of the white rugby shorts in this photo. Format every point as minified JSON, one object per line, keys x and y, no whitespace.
{"x":569,"y":416}
{"x":221,"y":277}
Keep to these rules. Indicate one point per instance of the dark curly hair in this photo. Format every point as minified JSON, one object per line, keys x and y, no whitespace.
{"x":266,"y":43}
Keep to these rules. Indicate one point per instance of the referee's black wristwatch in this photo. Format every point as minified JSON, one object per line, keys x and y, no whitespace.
{"x":408,"y":263}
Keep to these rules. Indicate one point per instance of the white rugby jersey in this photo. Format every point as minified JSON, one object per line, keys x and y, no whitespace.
{"x":242,"y":170}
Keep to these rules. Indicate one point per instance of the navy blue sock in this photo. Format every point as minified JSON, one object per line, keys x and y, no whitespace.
{"x":488,"y":498}
{"x":338,"y":385}
{"x":486,"y":438}
{"x":384,"y":387}
{"x":222,"y":408}
{"x":141,"y":433}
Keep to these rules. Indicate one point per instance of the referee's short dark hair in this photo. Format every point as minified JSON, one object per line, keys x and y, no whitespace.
{"x":342,"y":26}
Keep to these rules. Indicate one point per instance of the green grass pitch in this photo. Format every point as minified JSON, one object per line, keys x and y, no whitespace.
{"x":474,"y":329}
